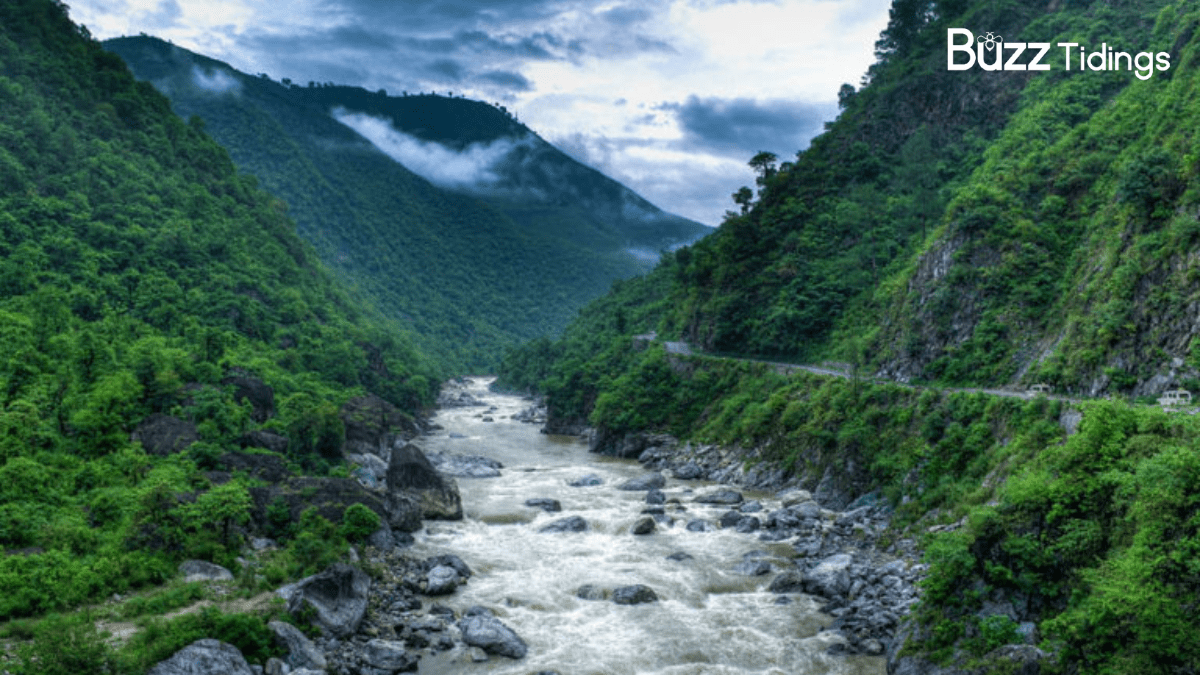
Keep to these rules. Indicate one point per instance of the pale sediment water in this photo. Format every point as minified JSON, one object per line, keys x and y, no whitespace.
{"x":708,"y":620}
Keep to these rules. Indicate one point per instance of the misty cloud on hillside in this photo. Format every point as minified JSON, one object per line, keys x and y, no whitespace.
{"x":472,"y":169}
{"x":216,"y":81}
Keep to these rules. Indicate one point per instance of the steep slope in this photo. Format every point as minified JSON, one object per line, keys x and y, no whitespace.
{"x":523,"y":239}
{"x":146,"y":285}
{"x":958,"y":227}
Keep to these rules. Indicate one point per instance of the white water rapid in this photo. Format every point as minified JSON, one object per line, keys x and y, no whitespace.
{"x":709,"y":620}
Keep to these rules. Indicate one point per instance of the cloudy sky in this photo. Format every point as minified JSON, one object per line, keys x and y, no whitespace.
{"x":670,"y":97}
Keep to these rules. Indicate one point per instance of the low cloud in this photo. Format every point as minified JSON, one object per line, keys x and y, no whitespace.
{"x":474,"y":168}
{"x":744,"y":126}
{"x":215,"y":80}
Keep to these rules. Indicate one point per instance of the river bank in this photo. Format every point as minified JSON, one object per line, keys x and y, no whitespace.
{"x":567,"y":561}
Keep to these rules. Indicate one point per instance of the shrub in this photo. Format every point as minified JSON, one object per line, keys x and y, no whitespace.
{"x":358,"y":522}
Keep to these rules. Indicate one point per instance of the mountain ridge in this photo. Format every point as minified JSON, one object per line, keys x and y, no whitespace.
{"x":506,"y":269}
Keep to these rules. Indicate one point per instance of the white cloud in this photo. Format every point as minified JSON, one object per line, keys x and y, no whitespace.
{"x":216,"y":80}
{"x":470,"y":169}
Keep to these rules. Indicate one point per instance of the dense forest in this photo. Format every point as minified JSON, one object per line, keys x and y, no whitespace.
{"x":146,"y":282}
{"x":472,"y":269}
{"x":956,"y":228}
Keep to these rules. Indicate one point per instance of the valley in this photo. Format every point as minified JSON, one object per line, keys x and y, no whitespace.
{"x":898,"y":413}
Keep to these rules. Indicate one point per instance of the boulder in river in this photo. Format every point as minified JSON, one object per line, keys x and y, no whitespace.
{"x":481,"y":629}
{"x":788,"y":582}
{"x":588,"y":480}
{"x":410,"y":471}
{"x":636,"y":594}
{"x":747,"y":524}
{"x":570,"y":524}
{"x":644,"y":525}
{"x":752,"y":568}
{"x":544,"y":503}
{"x":651,"y":481}
{"x":591,"y":592}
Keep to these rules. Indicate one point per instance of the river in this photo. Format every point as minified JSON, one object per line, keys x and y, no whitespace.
{"x":709,"y":620}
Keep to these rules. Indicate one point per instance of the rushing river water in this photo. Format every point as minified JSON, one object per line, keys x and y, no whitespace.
{"x":708,"y":620}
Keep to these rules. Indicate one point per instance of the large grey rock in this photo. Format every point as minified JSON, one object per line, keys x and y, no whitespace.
{"x":571,"y":524}
{"x":644,"y":525}
{"x":651,"y":481}
{"x":634,"y":595}
{"x":410,"y":472}
{"x":372,"y":424}
{"x":794,"y":497}
{"x":466,"y":466}
{"x":404,"y":511}
{"x":491,"y":635}
{"x":199,"y":570}
{"x":545,"y":503}
{"x":591,"y":592}
{"x":788,"y":582}
{"x":302,"y":653}
{"x":382,"y":539}
{"x":372,"y":464}
{"x":805,"y":510}
{"x":689,"y":471}
{"x":442,"y":580}
{"x":830,"y":577}
{"x":389,"y":656}
{"x":204,"y":657}
{"x":338,"y":596}
{"x":721,"y":497}
{"x":448,"y":560}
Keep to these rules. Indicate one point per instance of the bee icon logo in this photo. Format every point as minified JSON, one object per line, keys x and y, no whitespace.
{"x":990,"y":40}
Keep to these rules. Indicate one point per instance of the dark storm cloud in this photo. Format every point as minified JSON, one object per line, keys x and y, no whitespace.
{"x":743,"y":126}
{"x":449,"y":69}
{"x":508,"y":80}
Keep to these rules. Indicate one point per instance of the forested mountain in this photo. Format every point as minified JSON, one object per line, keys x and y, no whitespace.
{"x":513,"y":241}
{"x":158,"y":313}
{"x":961,"y":227}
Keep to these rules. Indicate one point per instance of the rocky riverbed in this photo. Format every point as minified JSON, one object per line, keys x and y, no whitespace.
{"x":566,"y":561}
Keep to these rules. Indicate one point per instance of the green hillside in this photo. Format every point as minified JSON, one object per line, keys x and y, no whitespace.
{"x":959,"y":228}
{"x":471,"y":272}
{"x":144,"y":279}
